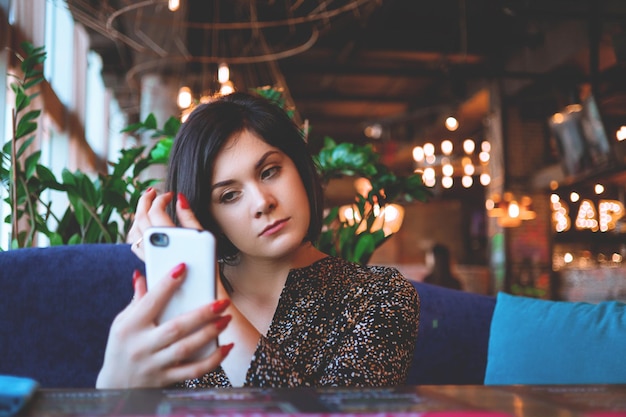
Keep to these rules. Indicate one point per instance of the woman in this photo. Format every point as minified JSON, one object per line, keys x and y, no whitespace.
{"x":287,"y":314}
{"x":440,"y":264}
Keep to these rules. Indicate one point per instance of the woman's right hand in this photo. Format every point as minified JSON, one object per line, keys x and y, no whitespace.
{"x":140,"y":353}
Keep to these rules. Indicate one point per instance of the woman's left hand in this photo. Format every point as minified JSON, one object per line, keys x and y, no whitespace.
{"x":152,"y":211}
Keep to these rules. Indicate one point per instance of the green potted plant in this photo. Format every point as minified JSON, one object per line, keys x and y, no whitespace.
{"x":96,"y":202}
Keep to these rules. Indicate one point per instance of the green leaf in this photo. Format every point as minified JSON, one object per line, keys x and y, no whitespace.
{"x":150,"y":122}
{"x":135,"y":127}
{"x":25,"y":144}
{"x":48,"y":179}
{"x":74,"y":240}
{"x":171,"y":127}
{"x":6,"y":148}
{"x":55,"y":239}
{"x":21,"y":100}
{"x":332,"y":215}
{"x":24,"y":127}
{"x":33,"y":82}
{"x":365,"y":246}
{"x":160,"y":153}
{"x":31,"y":164}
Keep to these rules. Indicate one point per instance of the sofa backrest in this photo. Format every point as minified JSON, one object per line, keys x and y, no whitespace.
{"x":57,"y":304}
{"x":56,"y":307}
{"x":453,"y":337}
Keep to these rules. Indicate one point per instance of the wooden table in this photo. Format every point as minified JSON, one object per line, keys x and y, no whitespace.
{"x":432,"y":401}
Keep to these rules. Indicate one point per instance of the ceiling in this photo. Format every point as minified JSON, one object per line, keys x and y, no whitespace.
{"x":349,"y":64}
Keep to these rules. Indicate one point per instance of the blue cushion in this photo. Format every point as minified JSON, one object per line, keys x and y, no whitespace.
{"x":556,"y":342}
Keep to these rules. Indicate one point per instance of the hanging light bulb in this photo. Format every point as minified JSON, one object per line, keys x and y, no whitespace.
{"x":223,"y":73}
{"x":184,"y":97}
{"x":418,"y":154}
{"x":513,"y":210}
{"x":469,"y":146}
{"x":452,"y":124}
{"x":173,"y":5}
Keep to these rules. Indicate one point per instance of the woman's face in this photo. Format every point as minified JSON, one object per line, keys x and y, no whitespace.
{"x":258,"y":198}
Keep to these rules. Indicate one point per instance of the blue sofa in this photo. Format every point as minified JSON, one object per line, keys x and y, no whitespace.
{"x":56,"y":306}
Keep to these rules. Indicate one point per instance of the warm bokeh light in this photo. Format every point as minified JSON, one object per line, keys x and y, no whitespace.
{"x":621,"y":133}
{"x":184,"y":97}
{"x":173,"y":5}
{"x":485,"y":146}
{"x":467,"y":181}
{"x":452,"y":124}
{"x":574,"y":197}
{"x":599,"y":188}
{"x":223,"y":73}
{"x":429,"y":173}
{"x":429,"y":149}
{"x":447,"y":147}
{"x":447,"y":182}
{"x":418,"y":154}
{"x":374,"y":131}
{"x":469,"y":146}
{"x":227,"y":88}
{"x":485,"y":179}
{"x":447,"y":170}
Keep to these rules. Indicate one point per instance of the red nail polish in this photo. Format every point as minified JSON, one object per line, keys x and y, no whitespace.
{"x":184,"y":204}
{"x":149,"y":189}
{"x":220,"y":305}
{"x":222,"y":322}
{"x":226,"y":348}
{"x":136,"y":275}
{"x":178,"y":270}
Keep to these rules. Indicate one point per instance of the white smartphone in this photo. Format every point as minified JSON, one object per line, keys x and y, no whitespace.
{"x":166,"y":247}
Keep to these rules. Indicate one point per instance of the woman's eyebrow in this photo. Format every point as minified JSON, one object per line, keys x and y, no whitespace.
{"x":221,"y":184}
{"x":261,"y":160}
{"x":258,"y":165}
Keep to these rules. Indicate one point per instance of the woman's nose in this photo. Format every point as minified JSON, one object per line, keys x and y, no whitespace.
{"x":264,"y":204}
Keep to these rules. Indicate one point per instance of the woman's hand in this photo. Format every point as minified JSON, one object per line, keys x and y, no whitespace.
{"x":141,"y":354}
{"x":151,"y":211}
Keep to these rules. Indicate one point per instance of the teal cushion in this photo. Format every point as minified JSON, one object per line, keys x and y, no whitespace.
{"x":556,"y":342}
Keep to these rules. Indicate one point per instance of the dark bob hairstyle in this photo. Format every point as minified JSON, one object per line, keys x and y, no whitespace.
{"x":204,"y":134}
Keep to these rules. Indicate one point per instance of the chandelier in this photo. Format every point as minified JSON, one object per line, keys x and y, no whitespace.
{"x":443,"y":166}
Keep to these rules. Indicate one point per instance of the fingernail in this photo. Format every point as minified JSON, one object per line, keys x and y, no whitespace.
{"x":178,"y":270}
{"x":226,"y":348}
{"x":222,"y":322}
{"x":220,"y":305}
{"x":184,"y":204}
{"x":149,"y":189}
{"x":136,"y":275}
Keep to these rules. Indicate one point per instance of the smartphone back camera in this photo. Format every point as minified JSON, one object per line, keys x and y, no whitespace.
{"x":159,"y":239}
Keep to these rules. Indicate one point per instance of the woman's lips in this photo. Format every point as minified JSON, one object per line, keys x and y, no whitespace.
{"x":274,"y":227}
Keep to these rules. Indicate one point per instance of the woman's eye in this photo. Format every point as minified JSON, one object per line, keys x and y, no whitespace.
{"x":228,"y":197}
{"x":270,"y":172}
